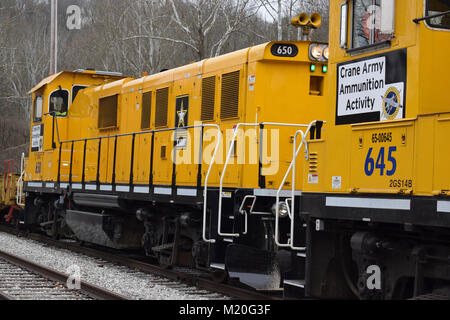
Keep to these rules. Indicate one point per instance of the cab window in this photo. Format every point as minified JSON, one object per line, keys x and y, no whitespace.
{"x":75,"y":90}
{"x":372,"y":22}
{"x":59,"y":103}
{"x":435,"y":7}
{"x":38,"y":103}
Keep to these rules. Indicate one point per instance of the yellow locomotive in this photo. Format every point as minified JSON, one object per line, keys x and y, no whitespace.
{"x":378,"y":209}
{"x":185,"y":164}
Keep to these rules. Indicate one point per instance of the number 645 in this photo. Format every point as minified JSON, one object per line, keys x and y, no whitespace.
{"x":380,"y":164}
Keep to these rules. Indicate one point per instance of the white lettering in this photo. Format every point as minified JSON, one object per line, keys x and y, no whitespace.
{"x":73,"y":17}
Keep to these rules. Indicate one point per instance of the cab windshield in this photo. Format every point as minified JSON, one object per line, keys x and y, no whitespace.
{"x":367,"y":30}
{"x":435,"y":7}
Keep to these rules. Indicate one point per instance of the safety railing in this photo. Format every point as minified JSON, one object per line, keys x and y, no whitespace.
{"x":19,"y":191}
{"x":133,"y":147}
{"x":115,"y":138}
{"x":205,"y":190}
{"x":227,"y":161}
{"x":291,"y":207}
{"x":207,"y":176}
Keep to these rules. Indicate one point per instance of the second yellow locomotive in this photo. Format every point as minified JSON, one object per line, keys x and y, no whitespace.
{"x":185,"y":163}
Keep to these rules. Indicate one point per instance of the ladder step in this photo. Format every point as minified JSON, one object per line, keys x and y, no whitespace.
{"x":275,"y":290}
{"x":294,"y":289}
{"x":163,"y":247}
{"x":295,"y":283}
{"x":431,"y":296}
{"x":220,"y":266}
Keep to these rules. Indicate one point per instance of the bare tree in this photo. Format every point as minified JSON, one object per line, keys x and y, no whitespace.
{"x":275,"y":9}
{"x":129,"y":36}
{"x":282,"y":11}
{"x":23,"y":51}
{"x":23,"y":60}
{"x":207,"y":25}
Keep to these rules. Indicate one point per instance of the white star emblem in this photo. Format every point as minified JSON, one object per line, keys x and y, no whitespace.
{"x":181,"y":115}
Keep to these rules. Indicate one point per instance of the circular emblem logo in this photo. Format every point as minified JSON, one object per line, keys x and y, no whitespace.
{"x":391,"y":104}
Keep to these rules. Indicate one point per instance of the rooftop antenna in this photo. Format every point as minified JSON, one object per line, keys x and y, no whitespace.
{"x":54,"y":37}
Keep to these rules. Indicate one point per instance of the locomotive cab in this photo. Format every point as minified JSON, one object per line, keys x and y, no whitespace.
{"x":52,"y":99}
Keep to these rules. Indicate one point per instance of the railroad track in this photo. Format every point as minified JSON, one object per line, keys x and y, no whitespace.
{"x":21,"y":279}
{"x":184,"y":276}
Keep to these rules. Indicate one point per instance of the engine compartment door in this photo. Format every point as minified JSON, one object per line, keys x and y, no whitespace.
{"x":383,"y":157}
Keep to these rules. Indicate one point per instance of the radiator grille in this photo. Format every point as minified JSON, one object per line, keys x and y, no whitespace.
{"x":230,"y":95}
{"x":162,"y":105}
{"x":208,"y":98}
{"x":146,"y":110}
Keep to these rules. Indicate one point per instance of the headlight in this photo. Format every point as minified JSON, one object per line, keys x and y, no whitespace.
{"x":283,"y":209}
{"x":316,"y":52}
{"x":326,"y":53}
{"x":319,"y":52}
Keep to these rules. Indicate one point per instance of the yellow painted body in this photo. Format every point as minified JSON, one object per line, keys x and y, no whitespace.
{"x":271,"y":89}
{"x":421,"y":139}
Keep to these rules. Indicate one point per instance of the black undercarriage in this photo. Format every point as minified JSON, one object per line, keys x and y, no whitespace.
{"x":349,"y":248}
{"x":350,"y":252}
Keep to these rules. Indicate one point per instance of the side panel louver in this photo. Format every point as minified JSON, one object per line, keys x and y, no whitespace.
{"x":208,"y":98}
{"x":146,"y":110}
{"x":230,"y":95}
{"x":162,"y":104}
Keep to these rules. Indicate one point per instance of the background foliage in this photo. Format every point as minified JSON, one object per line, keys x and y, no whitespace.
{"x":128,"y":36}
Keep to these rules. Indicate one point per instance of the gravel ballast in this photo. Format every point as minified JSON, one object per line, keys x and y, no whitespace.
{"x":120,"y":279}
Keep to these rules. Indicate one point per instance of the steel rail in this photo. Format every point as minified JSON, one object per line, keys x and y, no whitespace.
{"x":199,"y":282}
{"x":4,"y":296}
{"x":53,"y":275}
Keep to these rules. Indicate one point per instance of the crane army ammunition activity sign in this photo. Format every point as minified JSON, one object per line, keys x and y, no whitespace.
{"x":372,"y":89}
